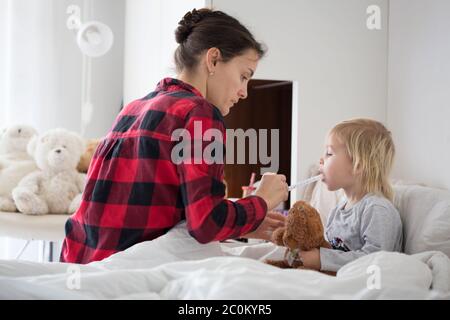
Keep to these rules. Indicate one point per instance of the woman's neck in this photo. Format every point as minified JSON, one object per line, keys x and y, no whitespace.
{"x":197,"y":81}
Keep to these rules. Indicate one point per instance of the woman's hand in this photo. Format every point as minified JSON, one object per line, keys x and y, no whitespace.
{"x":311,"y":259}
{"x":273,"y":189}
{"x":272,"y":221}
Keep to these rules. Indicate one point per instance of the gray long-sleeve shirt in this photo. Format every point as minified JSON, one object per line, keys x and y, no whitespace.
{"x":372,"y":224}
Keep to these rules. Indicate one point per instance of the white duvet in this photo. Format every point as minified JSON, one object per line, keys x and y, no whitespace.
{"x":176,"y":266}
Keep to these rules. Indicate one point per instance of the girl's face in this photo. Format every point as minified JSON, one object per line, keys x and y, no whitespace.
{"x":336,"y":165}
{"x":230,"y":80}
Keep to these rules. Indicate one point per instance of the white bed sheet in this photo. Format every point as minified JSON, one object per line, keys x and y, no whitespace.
{"x":176,"y":266}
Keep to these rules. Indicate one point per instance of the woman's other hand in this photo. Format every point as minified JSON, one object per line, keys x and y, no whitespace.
{"x":272,"y":221}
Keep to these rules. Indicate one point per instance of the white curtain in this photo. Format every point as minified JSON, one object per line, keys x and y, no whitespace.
{"x":42,"y":67}
{"x":34,"y":65}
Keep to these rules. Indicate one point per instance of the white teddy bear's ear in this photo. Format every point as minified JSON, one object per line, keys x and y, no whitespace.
{"x":2,"y":132}
{"x":31,"y":146}
{"x":81,"y":143}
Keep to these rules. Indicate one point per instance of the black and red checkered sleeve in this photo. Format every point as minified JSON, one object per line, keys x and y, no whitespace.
{"x":209,"y":216}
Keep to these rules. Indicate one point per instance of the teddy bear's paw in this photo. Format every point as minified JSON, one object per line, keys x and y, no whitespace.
{"x":277,"y":236}
{"x":29,"y":203}
{"x":278,"y":263}
{"x":7,"y":204}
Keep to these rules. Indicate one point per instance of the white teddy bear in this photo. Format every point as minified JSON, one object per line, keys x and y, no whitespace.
{"x":15,"y":162}
{"x":56,"y":186}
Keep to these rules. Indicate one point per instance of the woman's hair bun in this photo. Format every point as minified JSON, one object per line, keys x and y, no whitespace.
{"x":202,"y":29}
{"x":187,"y":24}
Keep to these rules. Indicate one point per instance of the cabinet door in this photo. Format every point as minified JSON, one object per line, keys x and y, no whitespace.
{"x":268,"y":106}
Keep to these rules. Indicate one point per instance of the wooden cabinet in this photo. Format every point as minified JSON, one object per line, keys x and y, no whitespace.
{"x":268,"y":106}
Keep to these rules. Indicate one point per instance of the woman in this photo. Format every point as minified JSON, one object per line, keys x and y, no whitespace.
{"x":136,"y":192}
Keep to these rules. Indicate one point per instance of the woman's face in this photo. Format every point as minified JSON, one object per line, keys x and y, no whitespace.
{"x":229,"y":82}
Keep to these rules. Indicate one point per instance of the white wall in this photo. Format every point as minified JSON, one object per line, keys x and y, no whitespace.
{"x":150,"y":42}
{"x":419,"y":89}
{"x":339,"y":65}
{"x":107,"y":70}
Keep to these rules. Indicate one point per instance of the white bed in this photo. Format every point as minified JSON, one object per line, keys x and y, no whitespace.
{"x":175,"y":266}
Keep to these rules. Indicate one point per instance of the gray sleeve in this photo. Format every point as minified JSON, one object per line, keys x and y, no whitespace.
{"x":379,"y":231}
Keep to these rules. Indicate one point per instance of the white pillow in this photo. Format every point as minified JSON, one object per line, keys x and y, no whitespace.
{"x":425,"y":214}
{"x":414,"y":273}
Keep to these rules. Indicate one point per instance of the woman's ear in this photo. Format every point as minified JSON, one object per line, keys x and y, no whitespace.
{"x":212,"y":57}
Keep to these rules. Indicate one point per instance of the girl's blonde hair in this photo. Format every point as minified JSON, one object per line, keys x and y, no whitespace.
{"x":371,"y":148}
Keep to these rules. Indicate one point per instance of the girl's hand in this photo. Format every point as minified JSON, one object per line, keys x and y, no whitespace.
{"x":272,"y":221}
{"x":311,"y":259}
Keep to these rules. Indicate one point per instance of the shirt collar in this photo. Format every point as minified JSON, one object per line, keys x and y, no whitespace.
{"x":172,"y":84}
{"x":344,"y":203}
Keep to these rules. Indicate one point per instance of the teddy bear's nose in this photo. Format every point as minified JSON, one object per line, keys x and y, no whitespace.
{"x":58,"y":150}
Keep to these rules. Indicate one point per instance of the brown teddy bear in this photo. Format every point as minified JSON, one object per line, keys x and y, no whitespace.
{"x":86,"y":157}
{"x":303,"y":232}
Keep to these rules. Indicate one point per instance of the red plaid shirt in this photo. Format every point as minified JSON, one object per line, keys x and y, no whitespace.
{"x":135,"y":192}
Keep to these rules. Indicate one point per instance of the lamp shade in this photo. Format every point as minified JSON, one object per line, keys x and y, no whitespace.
{"x":95,"y":38}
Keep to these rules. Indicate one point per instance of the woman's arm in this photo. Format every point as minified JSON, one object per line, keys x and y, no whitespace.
{"x":209,"y":216}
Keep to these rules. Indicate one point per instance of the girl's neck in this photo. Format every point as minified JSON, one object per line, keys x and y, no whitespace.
{"x":353,"y":194}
